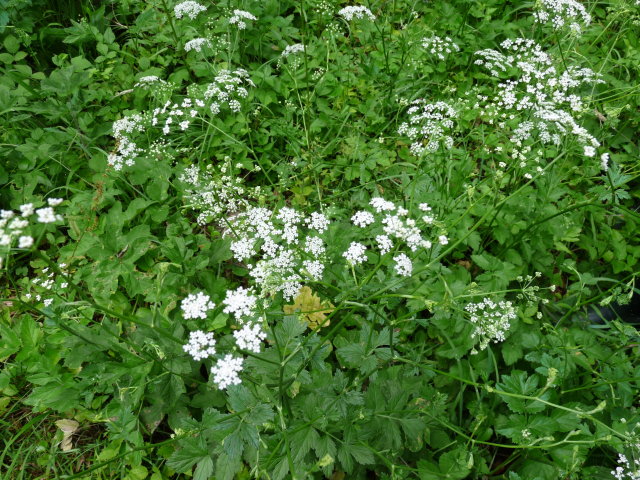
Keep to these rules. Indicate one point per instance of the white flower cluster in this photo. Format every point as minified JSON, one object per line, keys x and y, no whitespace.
{"x":250,"y":337}
{"x":226,"y":91}
{"x":627,"y":469}
{"x":196,"y":44}
{"x":15,"y":226}
{"x":362,"y":219}
{"x":428,"y":126}
{"x":201,"y":345}
{"x":189,"y":8}
{"x":240,"y":302}
{"x":403,"y":265}
{"x":491,"y":320}
{"x":239,"y":18}
{"x":293,"y":49}
{"x":46,"y":283}
{"x":356,"y":11}
{"x":197,"y":305}
{"x":561,"y":13}
{"x":225,"y":372}
{"x":291,"y":55}
{"x":216,"y":193}
{"x":355,"y":253}
{"x":440,"y":47}
{"x":148,"y":80}
{"x":393,"y":227}
{"x":243,"y":304}
{"x":279,"y":242}
{"x":538,"y":91}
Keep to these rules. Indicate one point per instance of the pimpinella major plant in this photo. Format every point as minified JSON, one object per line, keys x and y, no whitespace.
{"x":337,"y":241}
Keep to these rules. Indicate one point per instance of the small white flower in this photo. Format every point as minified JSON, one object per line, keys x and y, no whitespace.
{"x":318,"y":221}
{"x":355,"y":254}
{"x":54,"y":202}
{"x":196,"y":44}
{"x":189,"y":8}
{"x":242,"y":249}
{"x":239,"y":17}
{"x":589,"y":151}
{"x":356,"y":11}
{"x":362,"y":219}
{"x":381,"y":205}
{"x":240,"y":302}
{"x":225,"y":372}
{"x":47,"y":215}
{"x":250,"y":337}
{"x":315,"y":268}
{"x":314,"y":246}
{"x":384,"y":244}
{"x":26,"y":209}
{"x":491,"y":320}
{"x":443,"y":240}
{"x":25,"y":241}
{"x":197,"y":305}
{"x":604,"y":161}
{"x":403,"y":265}
{"x":201,"y":345}
{"x":292,"y":49}
{"x":440,"y":47}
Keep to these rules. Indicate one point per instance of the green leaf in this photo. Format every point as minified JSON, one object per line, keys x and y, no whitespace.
{"x":9,"y":342}
{"x":226,"y":467}
{"x":11,"y":43}
{"x":351,"y":355}
{"x":204,"y":469}
{"x":362,"y":454}
{"x":189,"y":452}
{"x":522,"y":384}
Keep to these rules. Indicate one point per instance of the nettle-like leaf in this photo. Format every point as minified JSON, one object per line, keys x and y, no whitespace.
{"x":521,"y":383}
{"x":287,"y":332}
{"x":366,"y":351}
{"x":189,"y":452}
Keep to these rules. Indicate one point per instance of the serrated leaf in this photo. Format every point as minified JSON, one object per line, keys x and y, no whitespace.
{"x":240,"y":398}
{"x":351,"y":355}
{"x":302,"y":441}
{"x":260,"y":414}
{"x":522,"y":384}
{"x":204,"y":469}
{"x":227,"y":467}
{"x":190,"y":451}
{"x":361,"y":454}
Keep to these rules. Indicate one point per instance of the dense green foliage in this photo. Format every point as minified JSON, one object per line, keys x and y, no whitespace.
{"x":483,"y":351}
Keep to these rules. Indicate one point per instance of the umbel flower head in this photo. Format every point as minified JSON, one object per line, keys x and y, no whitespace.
{"x":225,"y":372}
{"x":189,"y":8}
{"x":240,"y":17}
{"x":197,"y":305}
{"x":491,"y":320}
{"x":356,"y":11}
{"x":561,"y":13}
